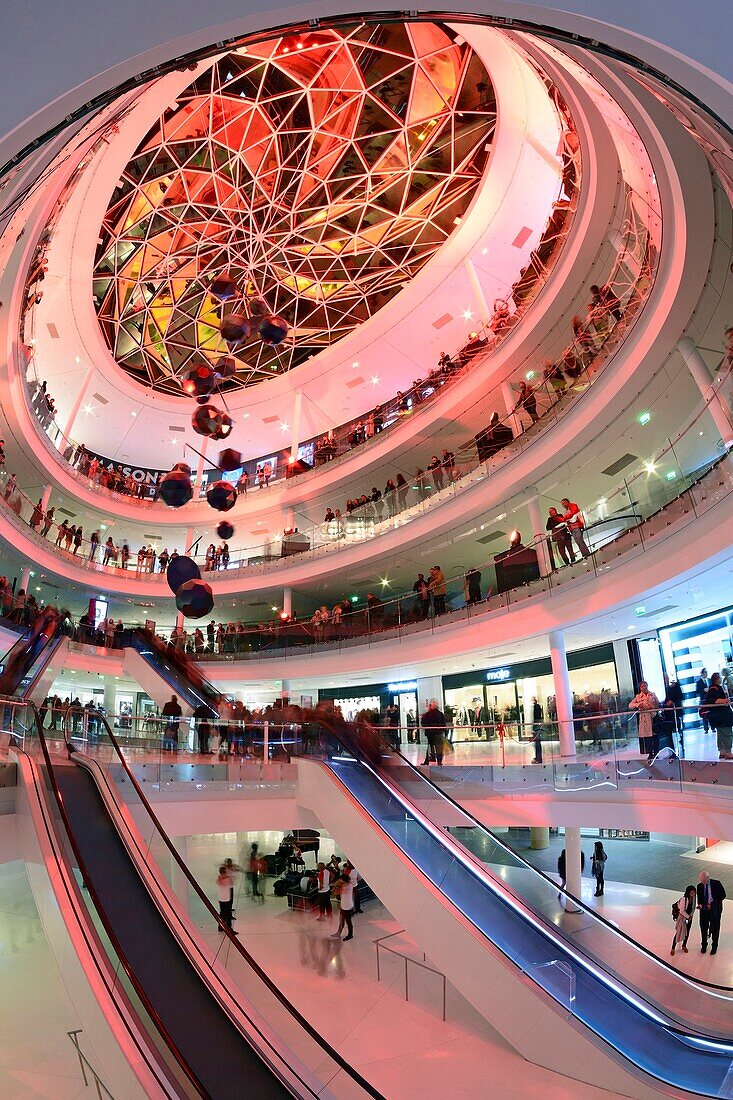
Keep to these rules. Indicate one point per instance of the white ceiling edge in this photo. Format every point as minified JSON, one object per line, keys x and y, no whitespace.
{"x":401,"y":334}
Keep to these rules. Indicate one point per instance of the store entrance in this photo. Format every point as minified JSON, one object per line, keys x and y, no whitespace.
{"x":409,"y":718}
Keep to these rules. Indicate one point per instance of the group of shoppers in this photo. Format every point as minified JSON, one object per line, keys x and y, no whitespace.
{"x":707,"y":900}
{"x":659,"y":721}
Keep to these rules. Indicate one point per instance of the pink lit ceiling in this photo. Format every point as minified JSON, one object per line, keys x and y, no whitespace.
{"x":322,"y":170}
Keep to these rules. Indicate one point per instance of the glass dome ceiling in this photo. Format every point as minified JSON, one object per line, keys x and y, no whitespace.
{"x":322,"y":171}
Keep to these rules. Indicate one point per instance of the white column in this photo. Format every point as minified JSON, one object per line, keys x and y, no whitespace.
{"x":295,"y":435}
{"x":25,"y":579}
{"x":710,"y":391}
{"x":510,"y":400}
{"x":285,"y":690}
{"x":188,"y":541}
{"x":563,"y":694}
{"x":80,"y":394}
{"x":179,"y":882}
{"x":110,"y":700}
{"x":539,"y":837}
{"x":429,"y":687}
{"x":477,"y":290}
{"x":201,"y":464}
{"x":46,"y":496}
{"x":288,"y":600}
{"x":572,"y":867}
{"x":537,"y":524}
{"x":290,"y":519}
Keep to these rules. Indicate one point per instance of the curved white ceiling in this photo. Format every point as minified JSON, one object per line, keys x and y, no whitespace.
{"x":435,"y":312}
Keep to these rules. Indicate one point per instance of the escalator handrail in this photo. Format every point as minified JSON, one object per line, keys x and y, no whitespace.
{"x":155,"y":1067}
{"x":542,"y":874}
{"x":99,"y":908}
{"x":236,"y":944}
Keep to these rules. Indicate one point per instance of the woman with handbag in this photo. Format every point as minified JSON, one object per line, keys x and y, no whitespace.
{"x":598,"y":867}
{"x":682,"y":912}
{"x":717,"y":710}
{"x":647,"y":705}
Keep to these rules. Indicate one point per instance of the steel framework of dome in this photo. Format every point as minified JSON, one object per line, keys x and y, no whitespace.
{"x":322,"y":171}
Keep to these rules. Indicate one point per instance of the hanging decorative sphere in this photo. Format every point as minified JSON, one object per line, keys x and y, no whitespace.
{"x":222,"y":495}
{"x":195,"y":599}
{"x":210,"y":421}
{"x":183,"y":467}
{"x":200,"y":381}
{"x":229,"y":459}
{"x":224,"y":287}
{"x":273,"y":330}
{"x":225,"y":368}
{"x":225,"y":530}
{"x":175,"y":489}
{"x":258,"y":307}
{"x":180,"y":570}
{"x":236,"y":328}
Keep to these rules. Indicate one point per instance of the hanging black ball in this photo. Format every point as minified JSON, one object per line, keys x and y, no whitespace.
{"x":195,"y":599}
{"x":180,"y":570}
{"x":258,"y":307}
{"x":212,"y":422}
{"x":225,"y":368}
{"x":175,"y":489}
{"x":184,"y":468}
{"x":273,"y":330}
{"x":236,"y":328}
{"x":224,"y":286}
{"x":200,"y":381}
{"x":225,"y":530}
{"x":229,"y":459}
{"x":222,"y":496}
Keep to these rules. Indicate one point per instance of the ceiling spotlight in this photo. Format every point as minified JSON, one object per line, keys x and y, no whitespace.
{"x":375,"y":380}
{"x":354,"y":365}
{"x":649,"y":467}
{"x":88,"y":409}
{"x":467,"y":315}
{"x":385,"y":582}
{"x":283,"y":427}
{"x":133,"y":413}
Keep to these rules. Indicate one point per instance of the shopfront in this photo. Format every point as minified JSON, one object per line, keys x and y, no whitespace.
{"x":501,"y":700}
{"x":375,"y":697}
{"x":688,"y":647}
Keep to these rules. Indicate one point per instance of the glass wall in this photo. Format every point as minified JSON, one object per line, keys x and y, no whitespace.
{"x":706,"y":642}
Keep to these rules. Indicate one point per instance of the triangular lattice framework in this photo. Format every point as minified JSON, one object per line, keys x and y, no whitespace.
{"x":323,"y":170}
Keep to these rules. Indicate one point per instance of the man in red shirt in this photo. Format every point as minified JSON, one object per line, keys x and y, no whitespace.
{"x":573,"y":518}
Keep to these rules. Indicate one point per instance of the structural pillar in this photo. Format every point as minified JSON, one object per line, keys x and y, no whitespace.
{"x":710,"y":391}
{"x":572,"y":867}
{"x":295,"y":436}
{"x":25,"y":579}
{"x":537,"y":524}
{"x":110,"y":700}
{"x":563,"y":693}
{"x":46,"y":496}
{"x":477,"y":290}
{"x":80,"y":395}
{"x":539,"y":837}
{"x":179,"y":882}
{"x":201,"y":464}
{"x":288,"y":601}
{"x":510,"y":399}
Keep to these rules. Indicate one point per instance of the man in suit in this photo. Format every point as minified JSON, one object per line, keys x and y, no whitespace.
{"x":701,"y":688}
{"x":710,"y":898}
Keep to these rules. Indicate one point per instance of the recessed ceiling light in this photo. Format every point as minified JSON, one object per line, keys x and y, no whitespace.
{"x":375,"y":380}
{"x":467,"y":315}
{"x":88,"y":409}
{"x":133,"y":413}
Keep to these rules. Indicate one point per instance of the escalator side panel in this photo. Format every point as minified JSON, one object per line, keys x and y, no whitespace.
{"x":162,"y":671}
{"x":212,"y":1046}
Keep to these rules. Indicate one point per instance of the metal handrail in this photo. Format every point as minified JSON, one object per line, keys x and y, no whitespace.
{"x":85,"y":1064}
{"x":379,"y":942}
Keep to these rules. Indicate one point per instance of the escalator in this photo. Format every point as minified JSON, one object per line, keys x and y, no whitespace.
{"x":638,"y":1011}
{"x":222,"y":1044}
{"x":22,"y":667}
{"x":161,"y":670}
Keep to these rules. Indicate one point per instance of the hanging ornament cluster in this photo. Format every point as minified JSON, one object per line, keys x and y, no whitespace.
{"x":194,"y":597}
{"x":175,"y":488}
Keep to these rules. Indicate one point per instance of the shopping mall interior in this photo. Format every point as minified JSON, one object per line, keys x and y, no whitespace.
{"x":366,"y":637}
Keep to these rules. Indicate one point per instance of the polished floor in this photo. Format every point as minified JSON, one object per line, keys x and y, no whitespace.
{"x":404,"y":1048}
{"x":37,"y":1058}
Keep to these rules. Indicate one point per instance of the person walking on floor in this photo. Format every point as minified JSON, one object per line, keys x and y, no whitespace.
{"x":347,"y":885}
{"x":253,"y":874}
{"x":598,"y":867}
{"x":172,"y":713}
{"x":720,"y":715}
{"x":537,"y":720}
{"x":323,"y":887}
{"x":433,"y":722}
{"x":683,"y":911}
{"x":710,"y":898}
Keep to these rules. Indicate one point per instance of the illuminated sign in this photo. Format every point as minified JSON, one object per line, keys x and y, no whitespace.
{"x":498,"y":675}
{"x":407,"y":685}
